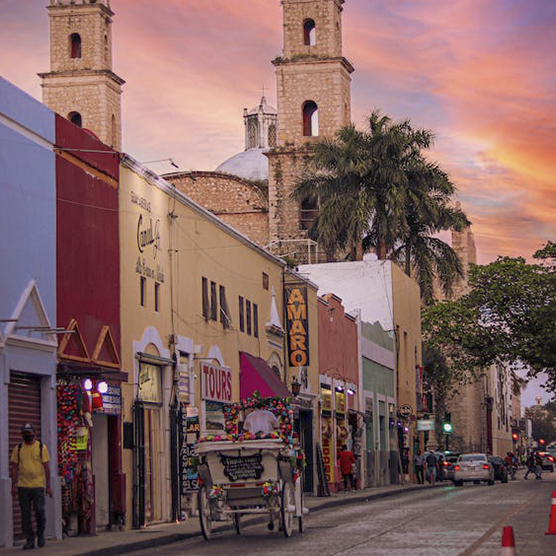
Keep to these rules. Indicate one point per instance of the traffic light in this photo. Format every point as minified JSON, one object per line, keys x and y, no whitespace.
{"x":447,"y":428}
{"x":515,"y":436}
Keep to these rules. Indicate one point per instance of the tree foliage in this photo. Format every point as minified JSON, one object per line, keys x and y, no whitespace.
{"x":376,"y":190}
{"x":509,"y":316}
{"x":543,"y":421}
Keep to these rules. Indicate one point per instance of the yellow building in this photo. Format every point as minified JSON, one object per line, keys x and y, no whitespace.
{"x":202,"y":325}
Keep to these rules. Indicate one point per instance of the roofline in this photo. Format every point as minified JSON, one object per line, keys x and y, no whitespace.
{"x":156,"y":180}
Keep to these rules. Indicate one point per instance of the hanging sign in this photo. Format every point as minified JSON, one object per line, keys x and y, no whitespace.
{"x":216,"y":383}
{"x":149,"y":385}
{"x":297,"y":325}
{"x":112,"y":400}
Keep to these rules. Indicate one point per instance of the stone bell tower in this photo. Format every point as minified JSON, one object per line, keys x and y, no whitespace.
{"x":81,"y":85}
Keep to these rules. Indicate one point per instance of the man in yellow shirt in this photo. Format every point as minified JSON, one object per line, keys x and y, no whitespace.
{"x":30,"y":476}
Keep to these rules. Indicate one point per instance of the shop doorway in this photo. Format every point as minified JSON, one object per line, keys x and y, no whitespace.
{"x":24,"y":406}
{"x":99,"y":456}
{"x":306,"y":441}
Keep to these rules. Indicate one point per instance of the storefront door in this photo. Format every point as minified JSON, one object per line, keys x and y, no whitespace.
{"x":24,"y":406}
{"x":99,"y":453}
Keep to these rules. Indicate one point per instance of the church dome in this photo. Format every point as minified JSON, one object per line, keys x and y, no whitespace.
{"x":264,"y":108}
{"x":251,"y":164}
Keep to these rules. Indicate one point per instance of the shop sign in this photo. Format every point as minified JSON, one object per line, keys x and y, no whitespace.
{"x":425,"y":424}
{"x":405,"y":410}
{"x":340,"y":402}
{"x":328,"y":458}
{"x":149,"y":385}
{"x":216,"y":383}
{"x":183,"y":383}
{"x":326,"y":396}
{"x":297,"y":325}
{"x":112,"y":400}
{"x":190,"y":430}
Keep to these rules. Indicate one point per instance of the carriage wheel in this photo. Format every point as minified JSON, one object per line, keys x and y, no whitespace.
{"x":285,"y":510}
{"x":204,"y":513}
{"x":237,"y":523}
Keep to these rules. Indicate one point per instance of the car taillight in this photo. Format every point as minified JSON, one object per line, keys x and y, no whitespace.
{"x":446,"y":463}
{"x":486,"y":466}
{"x":456,"y":467}
{"x":550,"y":458}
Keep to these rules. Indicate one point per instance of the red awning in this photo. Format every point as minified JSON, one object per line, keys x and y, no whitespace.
{"x":257,"y":375}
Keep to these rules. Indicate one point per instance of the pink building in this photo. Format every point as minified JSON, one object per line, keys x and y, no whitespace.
{"x":339,"y":383}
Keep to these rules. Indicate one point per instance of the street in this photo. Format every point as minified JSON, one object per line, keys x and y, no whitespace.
{"x":446,"y":521}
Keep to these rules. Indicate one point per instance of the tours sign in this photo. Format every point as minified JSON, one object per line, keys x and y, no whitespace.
{"x":297,"y":325}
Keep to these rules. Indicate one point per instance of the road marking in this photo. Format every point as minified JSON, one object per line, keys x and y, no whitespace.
{"x":481,"y":540}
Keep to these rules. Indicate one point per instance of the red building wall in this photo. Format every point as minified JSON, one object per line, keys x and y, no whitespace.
{"x":88,"y":265}
{"x":337,"y":340}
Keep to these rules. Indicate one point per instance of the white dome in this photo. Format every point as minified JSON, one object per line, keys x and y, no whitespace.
{"x":251,"y":164}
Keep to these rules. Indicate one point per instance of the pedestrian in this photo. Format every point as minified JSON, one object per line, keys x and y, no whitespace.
{"x":441,"y":468}
{"x":347,"y":465}
{"x":432,"y":464}
{"x":538,"y":467}
{"x":531,"y":465}
{"x":30,"y":478}
{"x":419,"y":463}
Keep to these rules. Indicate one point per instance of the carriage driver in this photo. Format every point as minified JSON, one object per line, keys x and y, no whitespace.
{"x":261,"y":420}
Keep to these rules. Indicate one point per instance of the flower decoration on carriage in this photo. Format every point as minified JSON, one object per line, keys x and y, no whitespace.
{"x":217,"y":493}
{"x":270,"y":490}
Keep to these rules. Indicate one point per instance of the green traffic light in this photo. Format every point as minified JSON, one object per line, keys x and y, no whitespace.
{"x":447,"y":427}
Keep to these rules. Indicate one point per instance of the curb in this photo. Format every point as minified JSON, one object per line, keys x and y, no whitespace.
{"x":177,"y":537}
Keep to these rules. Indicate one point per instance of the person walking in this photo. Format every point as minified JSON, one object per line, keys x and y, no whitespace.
{"x":347,"y":464}
{"x":531,"y":465}
{"x":419,"y":463}
{"x":431,"y":463}
{"x":538,"y":467}
{"x":30,"y":479}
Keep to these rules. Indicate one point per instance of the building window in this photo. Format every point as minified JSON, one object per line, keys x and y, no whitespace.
{"x":225,"y":317}
{"x":248,"y":314}
{"x":309,"y":33}
{"x":252,"y":135}
{"x":308,"y":213}
{"x":75,"y":118}
{"x":255,"y":320}
{"x":241,"y":315}
{"x":310,"y":119}
{"x":143,"y":291}
{"x":75,"y":45}
{"x":266,"y":281}
{"x":156,"y":297}
{"x":213,"y":302}
{"x":272,"y":136}
{"x":205,"y":299}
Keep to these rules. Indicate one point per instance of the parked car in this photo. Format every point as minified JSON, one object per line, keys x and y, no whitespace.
{"x":473,"y":467}
{"x":450,"y":460}
{"x":500,"y":470}
{"x":547,"y":461}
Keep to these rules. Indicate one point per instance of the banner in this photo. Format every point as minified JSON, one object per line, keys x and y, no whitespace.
{"x":189,"y":436}
{"x":297,"y":325}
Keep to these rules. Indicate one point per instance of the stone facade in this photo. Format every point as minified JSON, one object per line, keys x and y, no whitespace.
{"x":318,"y":73}
{"x":238,"y":202}
{"x":82,"y":81}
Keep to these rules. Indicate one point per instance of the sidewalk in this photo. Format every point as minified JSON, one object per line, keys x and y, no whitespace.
{"x":112,"y":543}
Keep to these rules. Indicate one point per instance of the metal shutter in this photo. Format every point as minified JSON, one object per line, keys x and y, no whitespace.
{"x":24,"y":406}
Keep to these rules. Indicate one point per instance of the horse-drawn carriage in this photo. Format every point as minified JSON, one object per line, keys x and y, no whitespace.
{"x":243,"y":473}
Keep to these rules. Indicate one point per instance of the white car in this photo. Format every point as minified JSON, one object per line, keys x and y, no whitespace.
{"x":473,"y":467}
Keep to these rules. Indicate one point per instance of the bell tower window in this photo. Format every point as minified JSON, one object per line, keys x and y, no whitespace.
{"x":75,"y":118}
{"x":310,"y":119}
{"x":308,"y":213}
{"x":272,"y":136}
{"x":75,"y":40}
{"x":309,"y":33}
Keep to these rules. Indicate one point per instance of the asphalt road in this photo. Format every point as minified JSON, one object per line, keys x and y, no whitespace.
{"x":447,"y":521}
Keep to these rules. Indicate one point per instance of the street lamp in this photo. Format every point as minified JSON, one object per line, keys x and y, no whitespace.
{"x":296,"y":387}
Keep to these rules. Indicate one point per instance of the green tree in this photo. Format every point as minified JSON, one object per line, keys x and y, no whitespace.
{"x":509,"y":315}
{"x":543,"y":422}
{"x":375,"y":190}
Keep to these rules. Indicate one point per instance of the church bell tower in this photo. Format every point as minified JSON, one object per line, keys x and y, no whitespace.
{"x":314,"y":101}
{"x":81,"y":85}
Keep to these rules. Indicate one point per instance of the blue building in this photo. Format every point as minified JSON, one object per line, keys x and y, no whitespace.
{"x":28,"y":343}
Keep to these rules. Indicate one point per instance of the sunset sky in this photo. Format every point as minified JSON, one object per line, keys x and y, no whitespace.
{"x":480,"y":73}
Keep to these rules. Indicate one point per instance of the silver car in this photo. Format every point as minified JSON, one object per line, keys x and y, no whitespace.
{"x":473,"y":467}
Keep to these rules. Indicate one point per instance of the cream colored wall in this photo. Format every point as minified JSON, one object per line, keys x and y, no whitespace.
{"x":407,"y":321}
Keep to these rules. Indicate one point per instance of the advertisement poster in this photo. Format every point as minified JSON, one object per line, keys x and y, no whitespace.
{"x":190,"y":430}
